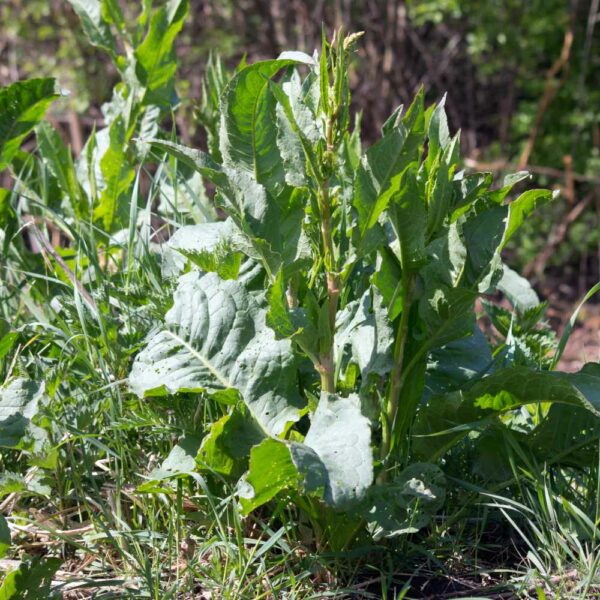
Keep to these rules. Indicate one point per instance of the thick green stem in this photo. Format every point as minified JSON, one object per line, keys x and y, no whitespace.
{"x":397,"y":377}
{"x":326,"y":366}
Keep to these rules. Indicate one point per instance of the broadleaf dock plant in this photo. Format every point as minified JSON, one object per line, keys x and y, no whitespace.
{"x":330,"y":318}
{"x":333,"y":312}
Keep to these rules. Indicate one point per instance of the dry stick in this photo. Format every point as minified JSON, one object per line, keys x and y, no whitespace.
{"x":550,"y":89}
{"x":504,"y":165}
{"x":555,"y":238}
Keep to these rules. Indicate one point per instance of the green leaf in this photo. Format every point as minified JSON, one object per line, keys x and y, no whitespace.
{"x":31,"y":579}
{"x":456,"y":364}
{"x":521,"y":208}
{"x":60,"y":163}
{"x":380,"y":174}
{"x":180,"y":461}
{"x":118,"y":175}
{"x":22,"y":106}
{"x":194,"y":240}
{"x":248,"y":135}
{"x":7,"y":342}
{"x":215,"y":338}
{"x":95,"y":27}
{"x":230,"y":441}
{"x":195,"y":159}
{"x":340,"y":435}
{"x":448,"y":313}
{"x":156,"y":61}
{"x":408,"y":214}
{"x":36,"y":485}
{"x":363,"y":328}
{"x":438,"y":133}
{"x":271,"y":472}
{"x":4,"y":537}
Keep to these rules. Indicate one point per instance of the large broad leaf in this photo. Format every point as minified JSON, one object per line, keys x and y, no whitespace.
{"x":156,"y":60}
{"x":96,"y":28}
{"x":215,"y":338}
{"x":202,"y":238}
{"x":445,"y":420}
{"x":22,"y":105}
{"x":454,"y":365}
{"x":334,"y":462}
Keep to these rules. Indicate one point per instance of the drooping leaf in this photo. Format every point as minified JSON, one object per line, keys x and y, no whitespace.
{"x":445,"y":420}
{"x":22,"y":106}
{"x":517,"y":289}
{"x":195,"y":159}
{"x":215,"y":338}
{"x":521,"y":208}
{"x":228,"y":445}
{"x":333,"y":462}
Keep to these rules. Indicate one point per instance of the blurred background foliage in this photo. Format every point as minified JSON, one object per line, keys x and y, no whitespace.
{"x":522,"y":76}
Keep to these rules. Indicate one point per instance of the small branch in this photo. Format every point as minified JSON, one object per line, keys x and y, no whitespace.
{"x":550,"y":89}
